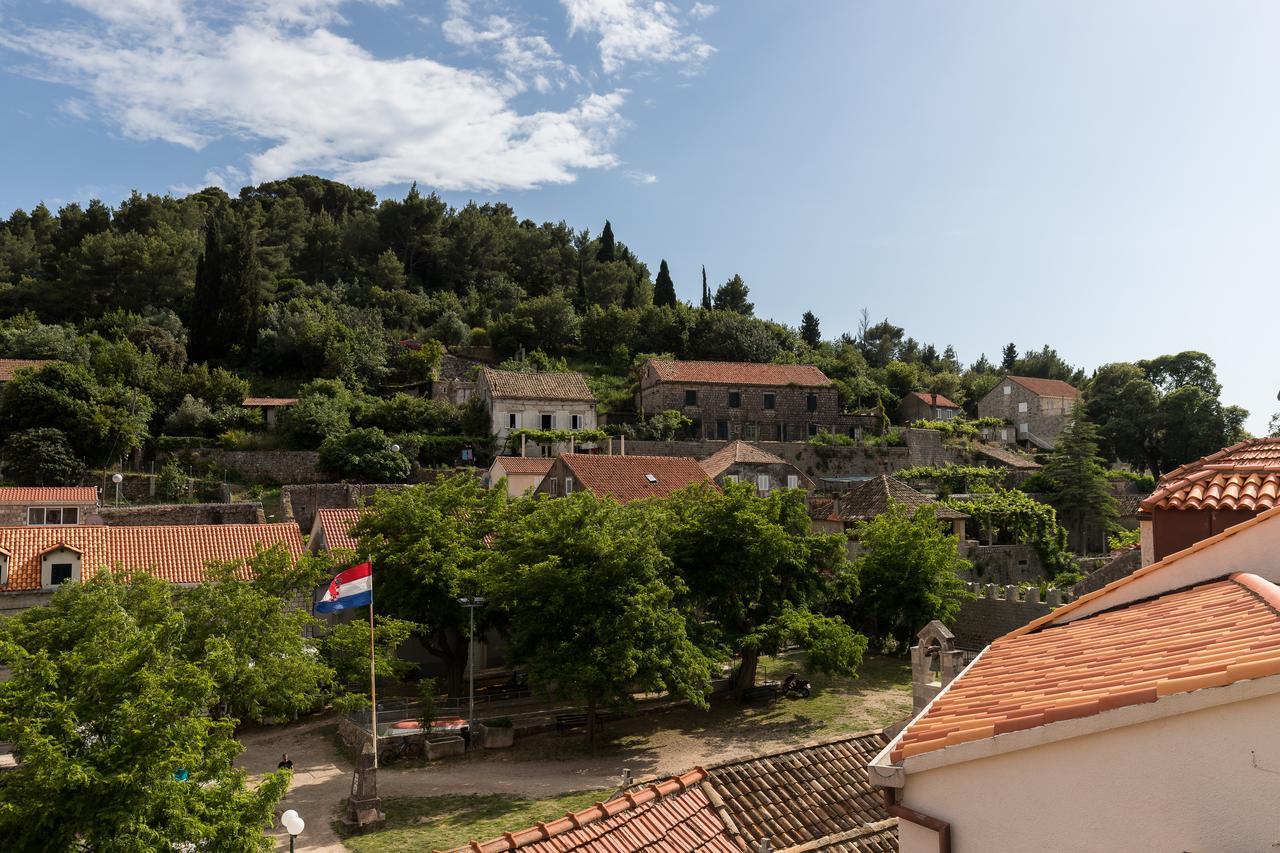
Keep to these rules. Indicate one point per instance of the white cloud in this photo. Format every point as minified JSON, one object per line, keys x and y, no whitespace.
{"x":636,"y":31}
{"x":307,"y":99}
{"x":701,"y":11}
{"x":528,"y":60}
{"x":642,"y":178}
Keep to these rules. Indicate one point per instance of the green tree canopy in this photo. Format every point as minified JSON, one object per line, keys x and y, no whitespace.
{"x":664,"y":289}
{"x":732,"y":296}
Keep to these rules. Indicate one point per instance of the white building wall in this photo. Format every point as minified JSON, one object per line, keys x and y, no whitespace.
{"x":1183,"y":783}
{"x":529,"y":415}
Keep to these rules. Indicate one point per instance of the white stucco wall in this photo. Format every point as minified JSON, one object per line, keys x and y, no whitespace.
{"x":518,"y":484}
{"x":1182,"y":783}
{"x":530,"y":414}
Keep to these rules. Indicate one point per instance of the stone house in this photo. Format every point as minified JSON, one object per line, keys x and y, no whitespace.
{"x":747,"y":463}
{"x":624,"y":478}
{"x":48,"y":506}
{"x":1205,"y":497}
{"x":455,"y":379}
{"x":924,"y":406}
{"x":1124,"y":703}
{"x":541,"y":401}
{"x":523,"y":473}
{"x":729,"y":400}
{"x":271,"y":408}
{"x":1038,"y":409}
{"x":35,"y":560}
{"x":841,"y":511}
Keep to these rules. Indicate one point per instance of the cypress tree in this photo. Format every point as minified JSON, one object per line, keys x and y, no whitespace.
{"x":706,"y":291}
{"x":664,"y":289}
{"x":608,"y":248}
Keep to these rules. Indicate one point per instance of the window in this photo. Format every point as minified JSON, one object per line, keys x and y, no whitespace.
{"x":690,"y":397}
{"x":751,"y":432}
{"x":793,"y":482}
{"x":548,"y":421}
{"x":722,"y":430}
{"x":813,"y":430}
{"x":1008,"y":389}
{"x":1022,"y":407}
{"x":47,"y":515}
{"x":770,"y":400}
{"x":1023,"y":429}
{"x":731,"y":478}
{"x":762,"y":484}
{"x":553,"y":486}
{"x":513,"y":420}
{"x":652,"y":480}
{"x":568,"y":485}
{"x":59,"y":573}
{"x":811,"y":403}
{"x":1004,"y":435}
{"x":735,"y":399}
{"x":575,"y":422}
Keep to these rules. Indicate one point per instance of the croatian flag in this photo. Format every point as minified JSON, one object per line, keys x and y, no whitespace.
{"x":351,"y":588}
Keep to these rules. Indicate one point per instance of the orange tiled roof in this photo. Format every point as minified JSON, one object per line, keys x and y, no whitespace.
{"x":738,"y":373}
{"x":254,"y":402}
{"x":525,"y":464}
{"x":336,"y":525}
{"x":626,"y":478}
{"x":9,"y":365}
{"x":866,"y":500}
{"x":673,"y":816}
{"x":934,"y":400}
{"x":177,"y":553}
{"x":1046,"y":387}
{"x":513,"y":385}
{"x":741,"y":452}
{"x":1243,"y":476}
{"x":38,"y":495}
{"x":1210,"y":635}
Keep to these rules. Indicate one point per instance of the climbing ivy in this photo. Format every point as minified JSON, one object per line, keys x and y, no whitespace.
{"x":952,"y":479}
{"x":1011,"y":517}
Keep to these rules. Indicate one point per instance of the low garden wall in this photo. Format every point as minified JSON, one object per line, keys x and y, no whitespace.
{"x":241,"y":512}
{"x":997,"y":610}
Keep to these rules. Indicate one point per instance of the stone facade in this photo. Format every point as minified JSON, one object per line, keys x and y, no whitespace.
{"x":918,"y":406}
{"x":997,"y":610}
{"x":240,"y":512}
{"x":1003,"y":564}
{"x":724,"y":411}
{"x":545,"y":401}
{"x":765,"y":478}
{"x":1037,"y":418}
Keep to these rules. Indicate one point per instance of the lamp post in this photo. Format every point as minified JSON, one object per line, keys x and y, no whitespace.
{"x":117,"y":478}
{"x":471,"y":604}
{"x":293,"y":824}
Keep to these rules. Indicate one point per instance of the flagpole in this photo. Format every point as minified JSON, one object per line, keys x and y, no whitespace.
{"x":373,"y":680}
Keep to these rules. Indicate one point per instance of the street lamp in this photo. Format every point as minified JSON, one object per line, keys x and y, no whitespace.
{"x":395,"y":448}
{"x":117,"y":478}
{"x":293,"y":824}
{"x":471,"y":604}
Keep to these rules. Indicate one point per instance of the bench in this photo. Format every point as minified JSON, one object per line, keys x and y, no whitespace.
{"x":564,"y":722}
{"x":768,"y":690}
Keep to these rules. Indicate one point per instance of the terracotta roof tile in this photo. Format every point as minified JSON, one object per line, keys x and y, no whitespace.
{"x":673,"y":816}
{"x":739,"y":373}
{"x":525,"y":464}
{"x":1005,"y":456}
{"x":1245,"y":476}
{"x":177,"y":553}
{"x":254,"y":402}
{"x":1209,"y":635}
{"x":38,"y":495}
{"x":934,"y":400}
{"x":870,"y":498}
{"x":626,"y":478}
{"x":1046,"y":387}
{"x":8,"y":366}
{"x":513,"y":385}
{"x":336,"y":526}
{"x":742,"y":452}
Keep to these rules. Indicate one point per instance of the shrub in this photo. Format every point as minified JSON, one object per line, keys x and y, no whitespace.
{"x":824,"y":438}
{"x":41,"y":456}
{"x":171,"y":482}
{"x":498,"y":723}
{"x":1124,"y":539}
{"x":664,"y":426}
{"x":364,"y":455}
{"x":192,"y":417}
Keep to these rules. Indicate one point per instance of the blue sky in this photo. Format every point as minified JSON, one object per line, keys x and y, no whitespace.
{"x":1098,"y":177}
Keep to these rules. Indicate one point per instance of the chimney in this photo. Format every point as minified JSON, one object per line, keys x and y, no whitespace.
{"x":623,"y":446}
{"x":522,"y":440}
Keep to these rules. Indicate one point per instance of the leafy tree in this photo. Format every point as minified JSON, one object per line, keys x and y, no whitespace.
{"x":345,"y":647}
{"x":41,"y":456}
{"x":908,"y":574}
{"x":756,"y":571}
{"x":809,"y":332}
{"x":109,"y":718}
{"x":171,"y":482}
{"x":664,"y":289}
{"x":1009,"y":357}
{"x":1081,"y":491}
{"x":662,"y":426}
{"x":192,"y":417}
{"x":592,"y":604}
{"x":428,"y":544}
{"x":364,"y":455}
{"x":732,"y":296}
{"x":323,"y":410}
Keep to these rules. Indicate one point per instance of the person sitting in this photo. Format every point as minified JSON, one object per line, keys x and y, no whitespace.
{"x":285,"y":763}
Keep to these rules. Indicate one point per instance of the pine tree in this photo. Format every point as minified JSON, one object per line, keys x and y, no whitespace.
{"x":809,"y":329}
{"x":1010,"y":357}
{"x":706,"y":291}
{"x":664,"y":289}
{"x":732,"y":296}
{"x":608,"y":248}
{"x":1081,"y":492}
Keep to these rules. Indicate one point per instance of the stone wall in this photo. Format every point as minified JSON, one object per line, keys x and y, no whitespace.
{"x":241,"y":512}
{"x":1003,"y":564}
{"x":12,"y":603}
{"x":1120,"y":567}
{"x":273,"y":467}
{"x":998,"y":610}
{"x":300,"y":501}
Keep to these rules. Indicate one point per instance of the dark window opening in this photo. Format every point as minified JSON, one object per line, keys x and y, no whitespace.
{"x":735,"y":399}
{"x":811,"y":403}
{"x":770,"y":400}
{"x":690,"y":397}
{"x":722,"y":430}
{"x":548,"y":421}
{"x":813,"y":430}
{"x":59,"y":573}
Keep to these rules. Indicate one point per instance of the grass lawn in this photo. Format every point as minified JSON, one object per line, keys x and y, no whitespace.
{"x":421,"y":824}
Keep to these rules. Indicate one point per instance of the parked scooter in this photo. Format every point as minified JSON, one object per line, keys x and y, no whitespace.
{"x":794,"y":685}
